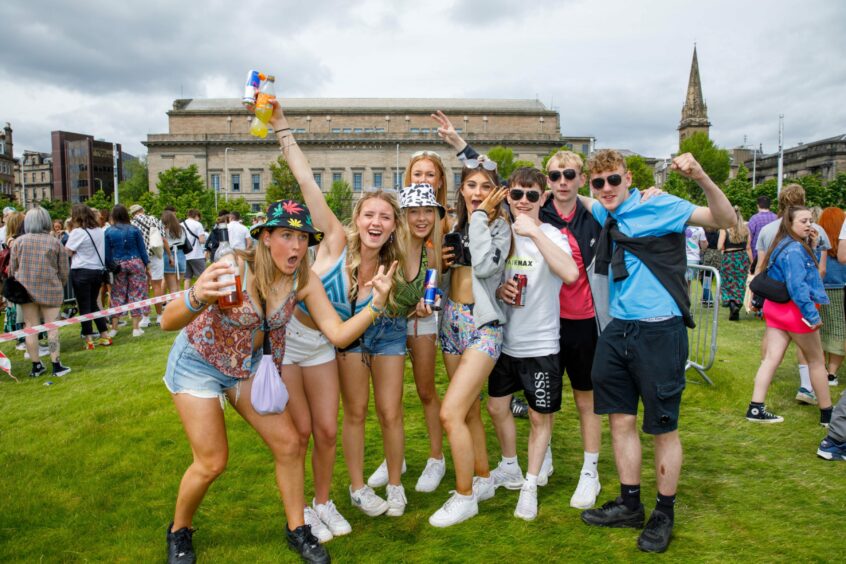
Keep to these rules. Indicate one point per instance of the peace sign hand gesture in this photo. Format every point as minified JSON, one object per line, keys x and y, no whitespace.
{"x":447,"y":132}
{"x":491,"y":203}
{"x":382,"y":282}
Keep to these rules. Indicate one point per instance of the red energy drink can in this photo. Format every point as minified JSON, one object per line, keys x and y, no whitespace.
{"x":251,"y":88}
{"x":520,"y":298}
{"x":430,"y":287}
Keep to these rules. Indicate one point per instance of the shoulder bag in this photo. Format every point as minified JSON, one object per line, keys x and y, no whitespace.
{"x":107,"y":277}
{"x":768,"y":288}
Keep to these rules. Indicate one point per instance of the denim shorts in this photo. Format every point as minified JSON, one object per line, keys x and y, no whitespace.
{"x":189,"y":373}
{"x":169,"y":268}
{"x":305,"y":346}
{"x":420,"y":326}
{"x":386,"y":337}
{"x":459,"y":332}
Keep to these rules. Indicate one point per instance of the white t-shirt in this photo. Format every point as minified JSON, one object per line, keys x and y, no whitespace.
{"x":532,"y":330}
{"x":197,"y":232}
{"x":768,"y":232}
{"x":2,"y":235}
{"x":238,"y":234}
{"x":693,"y":234}
{"x":84,"y":254}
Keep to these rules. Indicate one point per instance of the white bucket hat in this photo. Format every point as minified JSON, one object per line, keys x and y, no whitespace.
{"x":420,"y":196}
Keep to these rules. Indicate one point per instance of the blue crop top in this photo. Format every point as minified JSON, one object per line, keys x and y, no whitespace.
{"x":336,"y":287}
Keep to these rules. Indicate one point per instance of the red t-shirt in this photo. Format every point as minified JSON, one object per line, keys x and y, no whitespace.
{"x":575,"y":299}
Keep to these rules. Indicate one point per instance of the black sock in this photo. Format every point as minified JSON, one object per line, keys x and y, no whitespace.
{"x":665,"y":504}
{"x":825,"y":415}
{"x":630,"y":495}
{"x":756,"y":404}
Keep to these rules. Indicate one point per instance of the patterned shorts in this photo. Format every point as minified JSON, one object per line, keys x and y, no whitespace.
{"x":459,"y":332}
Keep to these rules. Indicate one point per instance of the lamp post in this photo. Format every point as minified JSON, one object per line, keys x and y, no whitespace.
{"x":226,"y":171}
{"x":23,"y":182}
{"x":780,"y":153}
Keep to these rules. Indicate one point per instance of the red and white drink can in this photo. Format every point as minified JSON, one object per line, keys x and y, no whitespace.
{"x":520,"y":298}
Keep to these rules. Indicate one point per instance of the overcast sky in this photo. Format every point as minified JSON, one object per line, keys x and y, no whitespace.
{"x":614,"y":69}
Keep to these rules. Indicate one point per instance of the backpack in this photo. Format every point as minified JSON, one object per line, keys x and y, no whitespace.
{"x":186,"y":246}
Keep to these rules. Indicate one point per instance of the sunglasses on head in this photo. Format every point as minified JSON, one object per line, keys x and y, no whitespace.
{"x":517,"y":194}
{"x":568,"y":173}
{"x":390,"y":191}
{"x":487,"y":164}
{"x":432,"y":154}
{"x":613,"y":180}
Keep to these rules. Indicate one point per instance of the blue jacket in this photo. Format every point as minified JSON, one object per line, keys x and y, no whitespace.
{"x":125,"y":242}
{"x":797,"y":269}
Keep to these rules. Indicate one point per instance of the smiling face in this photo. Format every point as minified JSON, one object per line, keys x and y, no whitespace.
{"x":424,"y":171}
{"x":475,"y":189}
{"x":375,"y":222}
{"x":287,"y":248}
{"x":421,"y":221}
{"x":523,"y":205}
{"x":611,"y":196}
{"x":801,"y":224}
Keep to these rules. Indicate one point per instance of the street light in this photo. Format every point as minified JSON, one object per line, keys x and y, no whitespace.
{"x":226,"y":170}
{"x":23,"y":182}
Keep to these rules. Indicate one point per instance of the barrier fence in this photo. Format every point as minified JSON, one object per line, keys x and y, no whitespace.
{"x":704,"y":308}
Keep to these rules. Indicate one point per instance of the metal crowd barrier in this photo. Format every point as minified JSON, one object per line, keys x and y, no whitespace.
{"x":704,"y":308}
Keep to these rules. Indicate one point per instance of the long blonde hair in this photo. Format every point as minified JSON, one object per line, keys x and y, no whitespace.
{"x":392,"y":250}
{"x":433,"y":241}
{"x":261,"y":265}
{"x":739,"y":232}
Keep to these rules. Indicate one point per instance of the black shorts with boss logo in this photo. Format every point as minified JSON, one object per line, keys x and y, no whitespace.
{"x":538,"y":377}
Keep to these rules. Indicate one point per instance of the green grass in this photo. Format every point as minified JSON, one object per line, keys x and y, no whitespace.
{"x":89,"y":469}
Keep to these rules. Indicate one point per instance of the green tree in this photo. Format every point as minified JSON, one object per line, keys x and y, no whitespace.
{"x":643,"y":175}
{"x":239,"y":205}
{"x":283,"y":185}
{"x":715,"y":162}
{"x":523,"y":164}
{"x":676,"y":185}
{"x":182,"y":188}
{"x":58,"y":209}
{"x":99,"y":200}
{"x":814,"y":190}
{"x":769,"y":189}
{"x":137,"y":183}
{"x":835,"y":192}
{"x":339,"y":199}
{"x":739,"y":192}
{"x":504,"y":158}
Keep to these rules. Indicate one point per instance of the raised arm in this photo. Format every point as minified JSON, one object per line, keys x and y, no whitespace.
{"x":324,"y":219}
{"x":447,"y":132}
{"x":719,"y":214}
{"x":560,"y":262}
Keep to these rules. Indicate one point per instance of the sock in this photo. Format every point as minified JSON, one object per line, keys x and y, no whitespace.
{"x":825,"y":415}
{"x":507,"y":460}
{"x":756,"y":404}
{"x":805,"y":377}
{"x":589,"y":465}
{"x":630,"y":495}
{"x":666,"y":504}
{"x":532,"y":479}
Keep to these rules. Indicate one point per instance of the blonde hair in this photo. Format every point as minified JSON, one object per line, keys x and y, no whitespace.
{"x":434,"y":240}
{"x":739,"y":232}
{"x":264,"y":270}
{"x":435,"y":159}
{"x":566,"y":158}
{"x":392,"y":250}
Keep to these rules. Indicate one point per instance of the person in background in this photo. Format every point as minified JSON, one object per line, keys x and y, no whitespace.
{"x":239,"y":235}
{"x":757,"y":222}
{"x":711,"y":256}
{"x":174,"y":257}
{"x":14,"y":222}
{"x":59,"y":231}
{"x":695,"y":242}
{"x":734,"y":245}
{"x":833,"y":331}
{"x":195,"y":261}
{"x":125,"y":248}
{"x":7,"y":211}
{"x":40,"y":263}
{"x":103,"y":216}
{"x":146,"y":223}
{"x":213,"y":241}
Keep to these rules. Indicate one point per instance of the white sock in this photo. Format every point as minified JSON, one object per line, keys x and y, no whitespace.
{"x":805,"y":377}
{"x":589,"y":465}
{"x":461,"y":496}
{"x":532,"y":479}
{"x":509,"y":460}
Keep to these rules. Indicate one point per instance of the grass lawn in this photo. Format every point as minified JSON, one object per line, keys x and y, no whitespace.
{"x":89,"y":469}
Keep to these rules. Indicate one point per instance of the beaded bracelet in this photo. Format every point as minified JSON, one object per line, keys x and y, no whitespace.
{"x":188,"y":303}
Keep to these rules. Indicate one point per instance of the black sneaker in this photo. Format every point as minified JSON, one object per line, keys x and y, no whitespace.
{"x":615,"y":514}
{"x":519,"y":408}
{"x":760,"y":414}
{"x":301,"y":541}
{"x":656,"y":535}
{"x":180,"y":548}
{"x":37,"y":371}
{"x":60,"y":369}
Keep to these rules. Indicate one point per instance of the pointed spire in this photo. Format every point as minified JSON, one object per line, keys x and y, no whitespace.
{"x":694,"y":114}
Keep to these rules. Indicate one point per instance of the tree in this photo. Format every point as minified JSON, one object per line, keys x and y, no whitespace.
{"x":283,"y":185}
{"x":183,"y":189}
{"x":137,"y":183}
{"x":814,"y":190}
{"x":339,"y":200}
{"x":99,"y":201}
{"x":738,"y":190}
{"x":523,"y":164}
{"x":715,"y":162}
{"x":835,"y":192}
{"x":504,"y":158}
{"x":58,"y":209}
{"x":643,"y":175}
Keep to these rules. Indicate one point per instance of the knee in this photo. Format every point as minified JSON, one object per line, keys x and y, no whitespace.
{"x":326,"y":435}
{"x":303,"y":436}
{"x":390,"y":417}
{"x":354,"y":416}
{"x":288,"y":449}
{"x":450,"y":417}
{"x":498,"y":409}
{"x":213,"y":466}
{"x":427,"y":393}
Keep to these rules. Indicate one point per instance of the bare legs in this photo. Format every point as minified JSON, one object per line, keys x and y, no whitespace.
{"x":33,"y":314}
{"x":422,"y":352}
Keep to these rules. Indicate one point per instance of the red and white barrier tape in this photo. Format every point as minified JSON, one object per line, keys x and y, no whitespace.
{"x":88,"y":316}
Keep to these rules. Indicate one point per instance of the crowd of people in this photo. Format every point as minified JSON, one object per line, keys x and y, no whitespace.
{"x":534,"y":282}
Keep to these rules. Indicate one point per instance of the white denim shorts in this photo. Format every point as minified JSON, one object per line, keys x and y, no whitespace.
{"x":305,"y":346}
{"x":418,"y":326}
{"x":156,"y":267}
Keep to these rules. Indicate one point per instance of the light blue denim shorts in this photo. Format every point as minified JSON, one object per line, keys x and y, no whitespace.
{"x":386,"y":337}
{"x":189,"y":373}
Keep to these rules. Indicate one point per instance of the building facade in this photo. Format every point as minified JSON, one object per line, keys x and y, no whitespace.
{"x":83,"y":165}
{"x":365,"y":142}
{"x":7,"y":162}
{"x":826,"y":158}
{"x":34,"y":178}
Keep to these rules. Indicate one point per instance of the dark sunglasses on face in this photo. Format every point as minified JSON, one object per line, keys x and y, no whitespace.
{"x":532,"y":195}
{"x":568,"y":173}
{"x":613,"y":180}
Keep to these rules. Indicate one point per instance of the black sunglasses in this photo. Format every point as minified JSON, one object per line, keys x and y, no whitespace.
{"x":599,"y":183}
{"x":517,"y":194}
{"x":568,"y":173}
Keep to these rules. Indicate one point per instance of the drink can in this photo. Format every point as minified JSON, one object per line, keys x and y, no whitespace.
{"x":520,"y":298}
{"x":430,"y":287}
{"x":251,"y":88}
{"x":48,"y":383}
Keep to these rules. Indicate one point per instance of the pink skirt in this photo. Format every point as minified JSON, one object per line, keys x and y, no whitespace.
{"x":786,"y":317}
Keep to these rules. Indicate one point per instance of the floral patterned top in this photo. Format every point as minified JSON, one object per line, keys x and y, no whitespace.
{"x":224,"y":337}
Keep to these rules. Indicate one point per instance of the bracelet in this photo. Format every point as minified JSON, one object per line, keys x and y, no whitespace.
{"x":281,"y":130}
{"x":188,"y":303}
{"x":374,"y":312}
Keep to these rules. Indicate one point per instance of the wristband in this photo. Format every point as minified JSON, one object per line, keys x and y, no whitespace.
{"x":188,"y":303}
{"x":281,"y":130}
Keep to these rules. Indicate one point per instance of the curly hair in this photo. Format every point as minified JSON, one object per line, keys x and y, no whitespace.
{"x":604,"y":160}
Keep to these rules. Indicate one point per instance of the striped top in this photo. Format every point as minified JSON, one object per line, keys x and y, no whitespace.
{"x":337,"y":289}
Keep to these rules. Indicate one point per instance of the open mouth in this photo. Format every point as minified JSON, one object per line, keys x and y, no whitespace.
{"x":292,"y":261}
{"x":475,"y":203}
{"x":374,"y":234}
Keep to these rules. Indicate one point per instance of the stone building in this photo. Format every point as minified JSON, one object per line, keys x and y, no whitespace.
{"x":365,"y":142}
{"x":7,"y":161}
{"x":826,"y":158}
{"x":37,"y":178}
{"x":82,"y":165}
{"x":694,"y":114}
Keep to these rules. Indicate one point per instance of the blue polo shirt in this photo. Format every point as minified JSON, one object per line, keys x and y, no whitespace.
{"x":641,"y":295}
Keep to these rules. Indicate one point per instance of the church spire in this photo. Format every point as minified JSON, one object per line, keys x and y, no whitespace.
{"x":694,"y":114}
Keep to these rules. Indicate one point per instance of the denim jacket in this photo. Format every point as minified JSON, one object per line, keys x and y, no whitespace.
{"x":125,"y":242}
{"x":796,"y":268}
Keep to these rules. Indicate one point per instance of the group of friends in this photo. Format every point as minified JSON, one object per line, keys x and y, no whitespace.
{"x":551,"y":283}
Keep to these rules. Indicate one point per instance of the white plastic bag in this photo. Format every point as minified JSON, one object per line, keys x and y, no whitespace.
{"x":268,"y":394}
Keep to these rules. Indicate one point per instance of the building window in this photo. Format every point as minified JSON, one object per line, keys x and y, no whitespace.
{"x":215,"y":182}
{"x":584,"y":149}
{"x":347,"y":130}
{"x":336,"y":177}
{"x":318,"y":179}
{"x":415,"y":130}
{"x":357,"y":181}
{"x":459,"y":129}
{"x":42,"y":176}
{"x":377,"y":179}
{"x":236,"y":182}
{"x":380,"y":130}
{"x":336,"y":130}
{"x":255,"y":207}
{"x":358,"y":130}
{"x":425,"y":131}
{"x":456,"y":178}
{"x":256,"y":182}
{"x":397,"y":179}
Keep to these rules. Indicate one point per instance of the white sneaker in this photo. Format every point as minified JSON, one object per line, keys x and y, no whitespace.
{"x":527,"y":505}
{"x":585,"y":495}
{"x":432,"y":475}
{"x":457,"y":508}
{"x":483,"y":488}
{"x":318,"y":528}
{"x":546,"y":468}
{"x":366,"y":499}
{"x":42,"y":351}
{"x":332,"y":518}
{"x":112,"y":333}
{"x":137,"y":332}
{"x":20,"y":347}
{"x":379,"y":478}
{"x":508,"y":475}
{"x":145,"y":322}
{"x":396,"y":500}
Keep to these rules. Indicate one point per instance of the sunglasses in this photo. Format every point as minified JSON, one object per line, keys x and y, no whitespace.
{"x":613,"y":180}
{"x":532,"y":195}
{"x":432,"y":154}
{"x":389,"y":191}
{"x":568,"y":173}
{"x":487,"y":164}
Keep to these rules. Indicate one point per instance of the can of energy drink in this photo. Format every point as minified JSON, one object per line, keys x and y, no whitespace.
{"x":430,"y":288}
{"x":251,"y":88}
{"x":520,"y":298}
